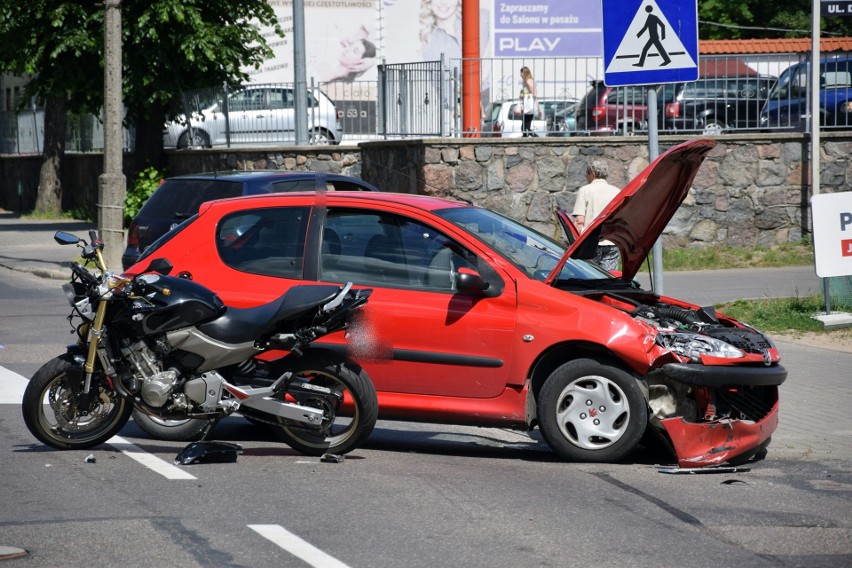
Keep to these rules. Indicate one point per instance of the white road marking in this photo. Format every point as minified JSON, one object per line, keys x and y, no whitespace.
{"x":150,"y":461}
{"x":297,"y":547}
{"x":12,"y":386}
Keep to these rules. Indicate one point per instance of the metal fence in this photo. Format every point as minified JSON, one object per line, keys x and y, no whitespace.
{"x":22,"y":132}
{"x":416,"y":99}
{"x":733,"y":93}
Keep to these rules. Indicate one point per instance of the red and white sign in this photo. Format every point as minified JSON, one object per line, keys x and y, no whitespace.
{"x":832,"y":214}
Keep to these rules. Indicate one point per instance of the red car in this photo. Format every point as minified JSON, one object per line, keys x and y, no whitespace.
{"x":476,"y":319}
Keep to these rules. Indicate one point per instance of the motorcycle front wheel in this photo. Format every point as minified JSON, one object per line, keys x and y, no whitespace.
{"x":55,"y":411}
{"x":346,"y":426}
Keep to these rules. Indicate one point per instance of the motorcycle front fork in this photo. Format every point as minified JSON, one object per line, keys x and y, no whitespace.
{"x":95,"y":333}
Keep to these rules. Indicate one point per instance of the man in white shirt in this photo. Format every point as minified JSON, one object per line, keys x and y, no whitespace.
{"x":593,"y":198}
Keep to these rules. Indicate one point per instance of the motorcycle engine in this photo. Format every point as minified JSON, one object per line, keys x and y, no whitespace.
{"x":157,"y":384}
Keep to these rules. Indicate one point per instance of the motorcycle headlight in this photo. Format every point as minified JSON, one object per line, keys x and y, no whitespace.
{"x":75,"y":292}
{"x":693,"y":345}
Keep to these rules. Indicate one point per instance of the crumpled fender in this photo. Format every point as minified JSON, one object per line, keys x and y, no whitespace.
{"x":711,"y":443}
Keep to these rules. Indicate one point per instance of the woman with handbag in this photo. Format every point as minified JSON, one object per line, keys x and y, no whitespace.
{"x":528,"y":101}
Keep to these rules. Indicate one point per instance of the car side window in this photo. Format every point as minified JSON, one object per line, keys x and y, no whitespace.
{"x":251,"y":99}
{"x":378,"y":249}
{"x":835,"y":75}
{"x":516,"y":112}
{"x":294,"y":185}
{"x":627,"y":96}
{"x":269,"y":242}
{"x":281,"y":98}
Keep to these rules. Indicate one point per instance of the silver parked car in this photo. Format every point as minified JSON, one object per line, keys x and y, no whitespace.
{"x":256,"y":115}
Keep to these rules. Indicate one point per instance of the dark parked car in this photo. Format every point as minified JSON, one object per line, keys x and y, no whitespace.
{"x":179,"y":197}
{"x":713,"y":105}
{"x":787,"y":107}
{"x":612,"y":110}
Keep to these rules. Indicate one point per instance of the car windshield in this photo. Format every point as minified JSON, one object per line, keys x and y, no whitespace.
{"x":531,"y":252}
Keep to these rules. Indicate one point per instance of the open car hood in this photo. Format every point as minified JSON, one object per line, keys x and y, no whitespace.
{"x":635,"y":219}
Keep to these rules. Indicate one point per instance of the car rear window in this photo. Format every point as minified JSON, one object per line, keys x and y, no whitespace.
{"x":180,"y":198}
{"x":592,"y":97}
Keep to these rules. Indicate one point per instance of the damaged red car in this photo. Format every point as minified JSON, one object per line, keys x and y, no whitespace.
{"x":476,"y":319}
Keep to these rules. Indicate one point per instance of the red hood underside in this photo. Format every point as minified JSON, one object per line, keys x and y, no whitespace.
{"x":636,"y":218}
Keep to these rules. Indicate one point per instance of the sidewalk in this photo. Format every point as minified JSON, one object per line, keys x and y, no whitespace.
{"x":27,"y":245}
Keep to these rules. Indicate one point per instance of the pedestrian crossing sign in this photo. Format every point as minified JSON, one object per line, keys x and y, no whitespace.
{"x":649,"y":42}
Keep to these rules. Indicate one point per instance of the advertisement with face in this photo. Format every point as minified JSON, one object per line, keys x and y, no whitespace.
{"x":346,"y":40}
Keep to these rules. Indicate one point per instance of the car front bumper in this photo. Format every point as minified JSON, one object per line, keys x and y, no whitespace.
{"x":712,"y":443}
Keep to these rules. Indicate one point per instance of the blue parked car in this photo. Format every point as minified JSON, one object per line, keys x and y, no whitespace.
{"x":788,"y":104}
{"x":178,"y":198}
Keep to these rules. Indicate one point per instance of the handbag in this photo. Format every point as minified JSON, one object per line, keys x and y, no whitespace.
{"x":529,"y":104}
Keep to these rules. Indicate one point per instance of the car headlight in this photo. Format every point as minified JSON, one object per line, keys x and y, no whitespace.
{"x":693,"y":345}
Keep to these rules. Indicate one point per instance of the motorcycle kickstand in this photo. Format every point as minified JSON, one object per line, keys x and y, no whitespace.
{"x":206,"y":451}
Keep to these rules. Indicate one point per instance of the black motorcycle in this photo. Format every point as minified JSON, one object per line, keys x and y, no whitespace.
{"x":169,"y":349}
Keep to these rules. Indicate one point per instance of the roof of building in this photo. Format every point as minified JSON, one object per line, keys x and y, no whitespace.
{"x":754,"y":46}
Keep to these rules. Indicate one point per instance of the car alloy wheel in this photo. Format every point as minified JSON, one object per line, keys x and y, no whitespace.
{"x":590,"y":411}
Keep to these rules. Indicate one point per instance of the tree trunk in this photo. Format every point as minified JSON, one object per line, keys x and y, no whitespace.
{"x":149,"y":141}
{"x":49,"y":199}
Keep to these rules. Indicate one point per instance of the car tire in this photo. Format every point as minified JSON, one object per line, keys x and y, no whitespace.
{"x":592,"y":412}
{"x":199,"y":139}
{"x":321,"y":137}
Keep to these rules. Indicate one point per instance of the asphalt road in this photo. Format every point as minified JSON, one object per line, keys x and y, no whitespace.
{"x":414,"y":495}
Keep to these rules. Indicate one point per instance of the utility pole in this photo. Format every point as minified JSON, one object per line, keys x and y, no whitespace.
{"x":112,"y":184}
{"x":300,"y":86}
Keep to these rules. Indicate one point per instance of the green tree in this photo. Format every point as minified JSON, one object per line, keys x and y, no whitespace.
{"x":168,"y":47}
{"x":759,"y":19}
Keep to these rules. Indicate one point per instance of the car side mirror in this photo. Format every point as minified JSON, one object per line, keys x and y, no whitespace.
{"x":469,"y":281}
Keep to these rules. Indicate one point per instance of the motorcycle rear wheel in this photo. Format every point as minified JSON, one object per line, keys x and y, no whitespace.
{"x":52,"y":411}
{"x":183,"y":430}
{"x":339,"y":433}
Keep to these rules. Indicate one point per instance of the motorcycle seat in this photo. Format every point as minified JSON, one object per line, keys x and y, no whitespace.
{"x":242,"y":325}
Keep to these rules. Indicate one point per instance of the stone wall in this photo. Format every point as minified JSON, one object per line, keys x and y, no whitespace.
{"x":752,"y":190}
{"x":344,"y":160}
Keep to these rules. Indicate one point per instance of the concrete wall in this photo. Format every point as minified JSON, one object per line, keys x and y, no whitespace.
{"x":751,"y":191}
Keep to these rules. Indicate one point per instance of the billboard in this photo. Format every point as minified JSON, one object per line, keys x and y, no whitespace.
{"x":346,"y":39}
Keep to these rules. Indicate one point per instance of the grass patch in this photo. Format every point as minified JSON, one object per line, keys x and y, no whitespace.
{"x":782,"y":314}
{"x":72,"y":215}
{"x":720,"y":257}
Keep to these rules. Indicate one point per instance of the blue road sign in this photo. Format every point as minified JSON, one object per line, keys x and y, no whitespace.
{"x":649,"y":42}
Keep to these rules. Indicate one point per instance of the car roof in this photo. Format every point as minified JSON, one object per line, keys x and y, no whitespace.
{"x":253,"y":175}
{"x":337,"y":198}
{"x":255,"y":178}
